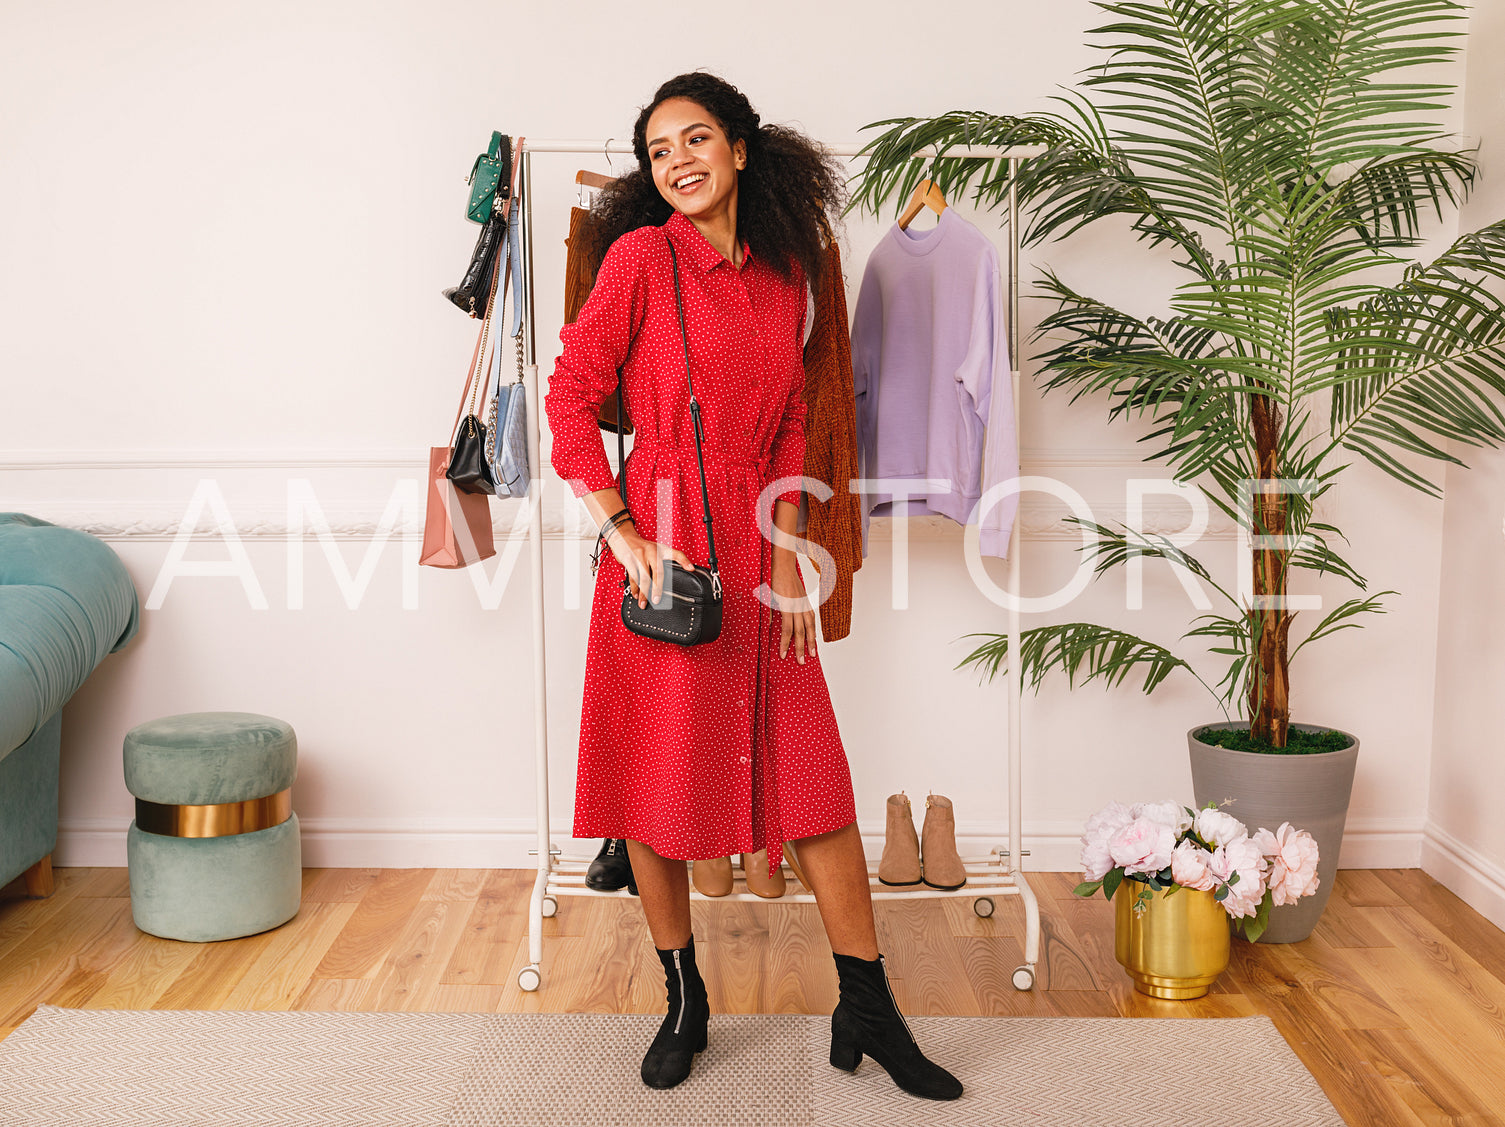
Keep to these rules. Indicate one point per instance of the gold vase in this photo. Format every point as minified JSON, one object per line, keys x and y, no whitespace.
{"x":1177,"y":946}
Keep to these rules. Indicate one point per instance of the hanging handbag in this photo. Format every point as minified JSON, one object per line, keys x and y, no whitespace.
{"x":507,"y":426}
{"x":468,"y":466}
{"x":688,"y":611}
{"x":490,"y":176}
{"x":473,"y":294}
{"x":507,"y":438}
{"x":456,"y":526}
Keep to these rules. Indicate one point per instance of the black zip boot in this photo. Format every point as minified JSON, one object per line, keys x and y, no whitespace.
{"x":683,"y":1033}
{"x":612,"y":869}
{"x":867,"y":1020}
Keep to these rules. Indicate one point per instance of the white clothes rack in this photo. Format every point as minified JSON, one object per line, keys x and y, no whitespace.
{"x":1000,"y":873}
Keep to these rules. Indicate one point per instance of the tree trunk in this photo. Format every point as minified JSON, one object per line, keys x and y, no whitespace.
{"x":1269,"y":684}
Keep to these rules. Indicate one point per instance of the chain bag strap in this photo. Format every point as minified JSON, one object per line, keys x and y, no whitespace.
{"x":507,"y":436}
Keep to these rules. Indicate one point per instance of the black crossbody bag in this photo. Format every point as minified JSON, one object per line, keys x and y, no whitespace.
{"x":688,"y":611}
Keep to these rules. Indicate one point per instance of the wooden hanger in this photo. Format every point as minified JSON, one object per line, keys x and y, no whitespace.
{"x":592,"y":179}
{"x":927,"y":193}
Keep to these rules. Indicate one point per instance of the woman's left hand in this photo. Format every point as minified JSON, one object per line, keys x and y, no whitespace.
{"x":798,"y":628}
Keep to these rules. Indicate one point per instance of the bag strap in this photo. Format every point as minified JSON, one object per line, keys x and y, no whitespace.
{"x":506,"y":185}
{"x":471,"y":384}
{"x":705,"y":499}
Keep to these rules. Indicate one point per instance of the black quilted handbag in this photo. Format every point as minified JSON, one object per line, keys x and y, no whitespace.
{"x":688,"y":611}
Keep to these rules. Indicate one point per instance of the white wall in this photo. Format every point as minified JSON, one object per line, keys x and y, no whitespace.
{"x":226,"y":227}
{"x":1465,"y":842}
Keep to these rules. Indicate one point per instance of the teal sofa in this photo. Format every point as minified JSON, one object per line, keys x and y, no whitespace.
{"x":66,"y":601}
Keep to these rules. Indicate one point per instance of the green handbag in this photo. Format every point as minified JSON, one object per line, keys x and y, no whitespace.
{"x":491,"y":171}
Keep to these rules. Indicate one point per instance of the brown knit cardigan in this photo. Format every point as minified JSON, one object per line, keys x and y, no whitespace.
{"x":831,"y":444}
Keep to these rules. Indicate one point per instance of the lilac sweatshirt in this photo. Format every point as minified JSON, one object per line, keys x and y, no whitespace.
{"x":930,"y":368}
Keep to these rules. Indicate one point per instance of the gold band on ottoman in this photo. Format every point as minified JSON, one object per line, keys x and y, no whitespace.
{"x":220,"y":819}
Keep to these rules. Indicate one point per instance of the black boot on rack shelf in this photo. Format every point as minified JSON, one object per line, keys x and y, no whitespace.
{"x":867,"y":1020}
{"x":683,"y":1033}
{"x":612,"y":869}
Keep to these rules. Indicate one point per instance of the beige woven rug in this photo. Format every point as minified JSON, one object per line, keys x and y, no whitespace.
{"x":123,"y":1068}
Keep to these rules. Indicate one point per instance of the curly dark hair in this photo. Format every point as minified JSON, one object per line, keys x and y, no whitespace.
{"x":783,"y":195}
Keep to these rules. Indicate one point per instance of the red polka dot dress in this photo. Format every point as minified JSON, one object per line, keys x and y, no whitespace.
{"x":725,"y":747}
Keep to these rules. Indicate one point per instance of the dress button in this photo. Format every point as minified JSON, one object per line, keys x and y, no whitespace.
{"x":745,"y":759}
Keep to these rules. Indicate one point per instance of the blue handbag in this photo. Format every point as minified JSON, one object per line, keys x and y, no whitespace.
{"x":507,"y":432}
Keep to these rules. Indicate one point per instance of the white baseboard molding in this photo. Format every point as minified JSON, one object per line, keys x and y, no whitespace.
{"x":1381,"y":843}
{"x":505,"y":843}
{"x":1477,"y":880}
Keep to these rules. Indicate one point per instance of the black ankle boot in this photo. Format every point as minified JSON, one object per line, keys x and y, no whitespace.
{"x":683,"y":1033}
{"x":611,"y":869}
{"x":867,"y":1020}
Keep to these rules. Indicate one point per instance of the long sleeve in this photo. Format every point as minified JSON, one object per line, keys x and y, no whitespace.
{"x":595,"y":348}
{"x":786,"y":454}
{"x":867,"y":328}
{"x":1000,"y":459}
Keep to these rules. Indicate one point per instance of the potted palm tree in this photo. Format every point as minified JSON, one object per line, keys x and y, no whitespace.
{"x":1281,"y":154}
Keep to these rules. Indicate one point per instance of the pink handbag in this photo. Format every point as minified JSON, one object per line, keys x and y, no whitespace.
{"x":456,"y":526}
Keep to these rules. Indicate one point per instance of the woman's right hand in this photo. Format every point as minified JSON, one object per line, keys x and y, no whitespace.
{"x":643,"y":560}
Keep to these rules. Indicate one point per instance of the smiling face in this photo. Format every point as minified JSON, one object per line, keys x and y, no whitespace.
{"x":694,"y":166}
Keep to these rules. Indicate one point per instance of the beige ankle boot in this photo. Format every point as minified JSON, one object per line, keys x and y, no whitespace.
{"x":713,"y":876}
{"x":755,"y":870}
{"x":943,"y":865}
{"x":901,"y":848}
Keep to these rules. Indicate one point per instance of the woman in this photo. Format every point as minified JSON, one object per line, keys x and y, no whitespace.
{"x":731,"y":746}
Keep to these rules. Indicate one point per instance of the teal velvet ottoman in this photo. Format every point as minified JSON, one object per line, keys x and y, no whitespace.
{"x":214,"y":850}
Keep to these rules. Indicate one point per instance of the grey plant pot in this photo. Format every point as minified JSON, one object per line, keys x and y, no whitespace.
{"x":1309,"y":791}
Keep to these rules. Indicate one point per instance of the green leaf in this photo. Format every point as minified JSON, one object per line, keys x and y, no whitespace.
{"x":1111,"y":882}
{"x":1087,"y":888}
{"x":1254,"y":926}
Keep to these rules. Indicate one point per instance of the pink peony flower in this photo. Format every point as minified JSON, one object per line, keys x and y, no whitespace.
{"x":1190,"y":867}
{"x":1217,"y":828}
{"x":1241,"y":856}
{"x":1096,"y":860}
{"x":1142,"y":846}
{"x":1167,"y":813}
{"x":1292,"y":855}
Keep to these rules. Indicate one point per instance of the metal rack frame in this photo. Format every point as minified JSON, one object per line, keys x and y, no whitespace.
{"x":1001,"y":872}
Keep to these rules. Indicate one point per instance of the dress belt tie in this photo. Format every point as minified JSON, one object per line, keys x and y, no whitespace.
{"x":712,"y":453}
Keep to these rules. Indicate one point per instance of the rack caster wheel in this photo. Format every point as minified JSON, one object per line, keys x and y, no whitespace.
{"x":1024,"y":978}
{"x":983,"y":906}
{"x":528,"y":979}
{"x":550,"y":909}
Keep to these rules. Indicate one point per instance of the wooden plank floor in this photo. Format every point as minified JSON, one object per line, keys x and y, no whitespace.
{"x":1396,"y":1004}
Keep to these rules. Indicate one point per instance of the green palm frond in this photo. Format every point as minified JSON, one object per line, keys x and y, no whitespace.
{"x":1342,"y":618}
{"x":1423,"y":363}
{"x":1113,"y":547}
{"x":1233,"y":640}
{"x":1319,"y":556}
{"x":1080,"y":650}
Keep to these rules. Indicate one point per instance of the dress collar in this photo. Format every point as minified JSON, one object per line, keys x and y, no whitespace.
{"x":692,"y":244}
